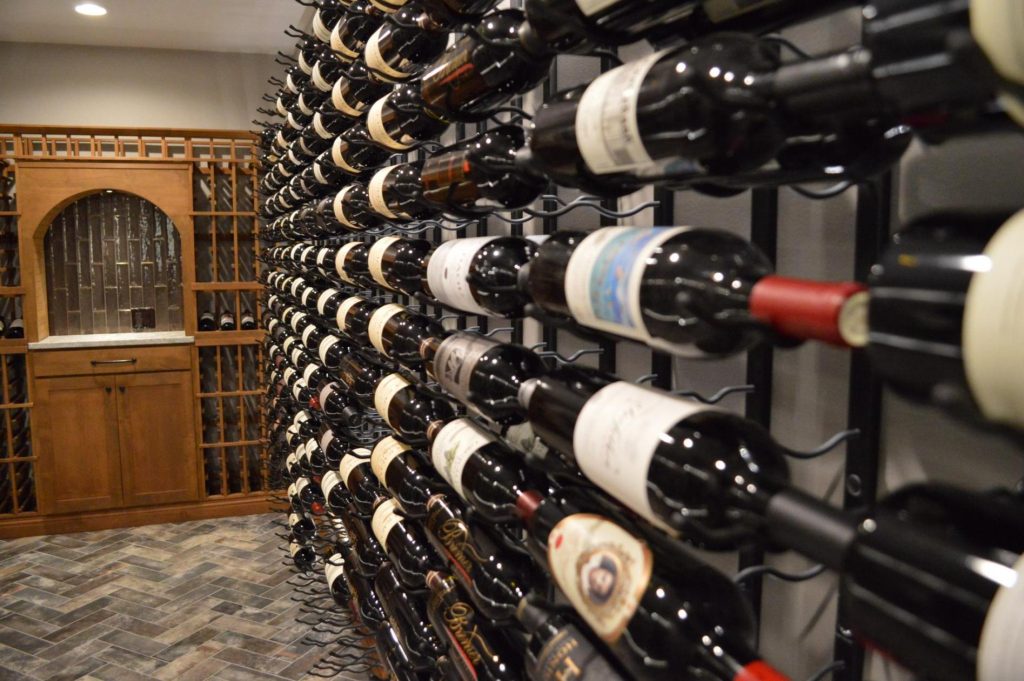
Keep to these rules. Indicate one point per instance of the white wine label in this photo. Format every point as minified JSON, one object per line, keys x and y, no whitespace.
{"x":321,"y":302}
{"x":303,"y":64}
{"x":375,"y":126}
{"x":350,"y":462}
{"x":385,"y":517}
{"x":297,"y":321}
{"x":375,"y":60}
{"x":289,"y":374}
{"x":339,"y":215}
{"x":602,"y":280}
{"x":853,"y":320}
{"x":328,"y":437}
{"x":384,"y":453}
{"x":993,"y":326}
{"x":376,"y":191}
{"x":333,"y":572}
{"x":306,"y":253}
{"x":301,"y":417}
{"x":294,"y":123}
{"x":378,"y":320}
{"x":310,"y":370}
{"x":296,"y":355}
{"x":602,"y":569}
{"x":319,"y":30}
{"x":301,"y":483}
{"x":1001,"y":646}
{"x":453,"y":447}
{"x":279,"y":138}
{"x":283,"y":110}
{"x":338,"y":156}
{"x":616,"y":434}
{"x":591,"y":7}
{"x":448,"y":270}
{"x":388,"y":387}
{"x":304,"y":108}
{"x":455,"y":360}
{"x":318,"y":79}
{"x":607,"y":132}
{"x":339,"y":261}
{"x":346,"y":307}
{"x":338,"y":45}
{"x":293,"y":519}
{"x":329,"y":482}
{"x":297,"y":389}
{"x":997,"y":26}
{"x":291,"y":461}
{"x":274,"y":323}
{"x":322,"y":257}
{"x":307,"y":332}
{"x":293,"y":158}
{"x":376,"y":259}
{"x":293,"y":490}
{"x":296,"y":284}
{"x":295,"y":548}
{"x":325,"y":347}
{"x":306,"y":295}
{"x":338,"y":99}
{"x":324,"y":133}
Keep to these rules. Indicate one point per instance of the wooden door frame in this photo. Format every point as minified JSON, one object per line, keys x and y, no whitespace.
{"x":46,"y":187}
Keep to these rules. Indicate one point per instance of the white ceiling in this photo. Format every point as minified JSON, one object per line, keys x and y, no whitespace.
{"x":249,"y":26}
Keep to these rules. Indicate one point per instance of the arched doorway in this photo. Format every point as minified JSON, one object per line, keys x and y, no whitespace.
{"x":113,"y":264}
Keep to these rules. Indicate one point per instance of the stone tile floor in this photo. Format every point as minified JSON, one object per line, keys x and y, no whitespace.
{"x":183,"y":602}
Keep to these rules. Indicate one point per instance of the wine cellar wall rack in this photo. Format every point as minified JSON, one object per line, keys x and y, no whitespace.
{"x":229,"y":425}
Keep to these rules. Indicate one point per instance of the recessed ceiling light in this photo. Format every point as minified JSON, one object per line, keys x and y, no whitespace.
{"x":90,"y":9}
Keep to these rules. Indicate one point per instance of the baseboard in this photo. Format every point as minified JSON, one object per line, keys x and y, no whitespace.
{"x":132,"y":517}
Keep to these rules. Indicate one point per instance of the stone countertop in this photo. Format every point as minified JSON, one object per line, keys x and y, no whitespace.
{"x":112,"y":340}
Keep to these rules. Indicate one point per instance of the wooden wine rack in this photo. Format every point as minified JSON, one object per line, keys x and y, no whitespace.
{"x":221,"y":277}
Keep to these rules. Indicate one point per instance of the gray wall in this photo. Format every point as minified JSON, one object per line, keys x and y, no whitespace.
{"x":106,"y":86}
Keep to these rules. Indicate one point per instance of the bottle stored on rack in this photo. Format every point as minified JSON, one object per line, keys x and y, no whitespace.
{"x":396,"y":193}
{"x":399,"y":264}
{"x":248,"y":320}
{"x":407,"y":475}
{"x":482,"y":373}
{"x":398,"y":333}
{"x":944,"y":322}
{"x":340,"y":409}
{"x":350,"y":33}
{"x":360,"y":377}
{"x":304,"y":556}
{"x":227,"y":321}
{"x":353,"y":318}
{"x":415,"y":415}
{"x":398,"y":121}
{"x":327,"y":14}
{"x":659,"y":621}
{"x":408,"y":614}
{"x":405,"y":42}
{"x":558,"y":649}
{"x":207,"y":321}
{"x":355,"y":471}
{"x":411,"y":554}
{"x":689,"y":291}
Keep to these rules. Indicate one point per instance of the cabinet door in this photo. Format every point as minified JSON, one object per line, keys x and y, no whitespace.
{"x":76,"y":430}
{"x":158,"y":444}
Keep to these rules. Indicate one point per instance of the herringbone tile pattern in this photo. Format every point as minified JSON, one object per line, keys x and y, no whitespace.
{"x":181,"y":602}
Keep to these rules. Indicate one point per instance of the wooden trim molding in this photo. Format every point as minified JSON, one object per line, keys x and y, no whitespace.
{"x":30,"y":526}
{"x":174,"y":133}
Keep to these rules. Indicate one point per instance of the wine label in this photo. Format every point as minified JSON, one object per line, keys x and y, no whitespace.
{"x":299,"y":282}
{"x":339,"y":101}
{"x":602,"y":569}
{"x":350,"y":462}
{"x":338,"y":45}
{"x":290,"y":119}
{"x":385,"y":517}
{"x":319,"y":30}
{"x":388,"y":387}
{"x":375,"y":126}
{"x":318,"y":79}
{"x":1001,"y":646}
{"x":455,"y":360}
{"x":294,"y":519}
{"x":293,"y":491}
{"x":310,"y":370}
{"x":607,"y":132}
{"x":329,"y":482}
{"x":295,"y":547}
{"x":321,"y":301}
{"x":293,"y":158}
{"x":376,"y":61}
{"x":338,"y":156}
{"x":339,"y":261}
{"x":306,"y":333}
{"x":346,"y":307}
{"x":296,"y":355}
{"x":376,"y":191}
{"x":301,"y":483}
{"x":323,"y":133}
{"x":616,"y":435}
{"x":603,"y":278}
{"x":283,"y":110}
{"x":339,"y":211}
{"x":280,"y":140}
{"x":997,"y":26}
{"x":333,"y":572}
{"x":453,"y":447}
{"x":274,"y":323}
{"x":323,"y":256}
{"x":325,"y":347}
{"x":378,"y":320}
{"x":301,"y":417}
{"x":384,"y":453}
{"x":289,"y":376}
{"x":448,"y":272}
{"x":376,"y":259}
{"x":569,"y":655}
{"x":328,"y":437}
{"x":306,"y":296}
{"x":993,"y":326}
{"x":291,"y":461}
{"x":297,"y":389}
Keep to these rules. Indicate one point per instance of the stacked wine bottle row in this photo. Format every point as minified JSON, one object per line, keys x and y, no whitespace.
{"x":453,"y":492}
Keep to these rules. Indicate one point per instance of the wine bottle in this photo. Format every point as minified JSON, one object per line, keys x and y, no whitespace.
{"x":404,"y":43}
{"x":495,"y":578}
{"x":336,"y":497}
{"x":360,"y":377}
{"x":248,"y":320}
{"x":399,"y":120}
{"x":368,"y":606}
{"x":415,"y":415}
{"x":353,"y":319}
{"x":398,"y":333}
{"x":327,"y":14}
{"x":689,"y":291}
{"x":356,"y":91}
{"x":349,"y":35}
{"x":302,"y":527}
{"x":482,"y":373}
{"x":369,"y":554}
{"x":401,"y":664}
{"x":483,"y":470}
{"x":396,"y":193}
{"x":334,"y":448}
{"x":411,"y":555}
{"x":688,"y":619}
{"x":407,"y":475}
{"x":354,"y":151}
{"x":942,"y":315}
{"x":207,"y":321}
{"x":355,"y":471}
{"x":334,"y":573}
{"x":480,"y":650}
{"x":408,"y":614}
{"x":340,"y":409}
{"x":303,"y":555}
{"x":558,"y":649}
{"x":686,"y":467}
{"x":351,"y":262}
{"x":480,"y":175}
{"x":399,"y":264}
{"x":310,"y":496}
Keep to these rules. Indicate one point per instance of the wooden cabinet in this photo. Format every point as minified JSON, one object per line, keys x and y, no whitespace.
{"x":115,"y":440}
